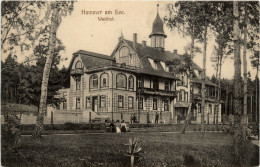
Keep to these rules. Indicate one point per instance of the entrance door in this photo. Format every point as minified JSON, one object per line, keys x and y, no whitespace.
{"x":94,"y":104}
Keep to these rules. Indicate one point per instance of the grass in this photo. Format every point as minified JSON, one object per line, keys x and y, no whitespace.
{"x":109,"y":149}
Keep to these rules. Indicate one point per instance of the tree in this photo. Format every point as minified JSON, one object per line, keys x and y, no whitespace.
{"x":10,"y":77}
{"x":58,"y":9}
{"x":20,"y":22}
{"x":182,"y":17}
{"x":223,"y":31}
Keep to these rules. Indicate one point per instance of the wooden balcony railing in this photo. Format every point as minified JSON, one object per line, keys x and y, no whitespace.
{"x":156,"y":92}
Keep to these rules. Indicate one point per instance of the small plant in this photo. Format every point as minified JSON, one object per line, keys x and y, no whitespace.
{"x":134,"y":149}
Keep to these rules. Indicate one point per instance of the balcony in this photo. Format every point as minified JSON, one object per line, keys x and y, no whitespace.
{"x":158,"y":92}
{"x":77,"y":71}
{"x":207,"y":97}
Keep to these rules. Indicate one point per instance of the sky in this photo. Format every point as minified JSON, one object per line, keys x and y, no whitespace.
{"x":84,"y":31}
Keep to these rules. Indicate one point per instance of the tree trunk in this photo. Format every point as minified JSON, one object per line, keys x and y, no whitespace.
{"x":203,"y":80}
{"x":256,"y":96}
{"x":226,"y":103}
{"x":217,"y":66}
{"x":238,"y":129}
{"x":219,"y":89}
{"x":187,"y":119}
{"x":245,"y":121}
{"x":189,"y":114}
{"x":46,"y":73}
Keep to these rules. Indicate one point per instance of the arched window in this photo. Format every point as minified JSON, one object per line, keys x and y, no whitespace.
{"x":93,"y":81}
{"x":121,"y":81}
{"x":78,"y":65}
{"x":104,"y":80}
{"x":131,"y":82}
{"x":123,"y":52}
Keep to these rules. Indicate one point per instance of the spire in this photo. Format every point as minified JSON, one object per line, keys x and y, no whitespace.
{"x":121,"y":36}
{"x":157,"y":25}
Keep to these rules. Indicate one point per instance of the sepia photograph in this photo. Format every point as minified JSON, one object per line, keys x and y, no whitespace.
{"x":129,"y":83}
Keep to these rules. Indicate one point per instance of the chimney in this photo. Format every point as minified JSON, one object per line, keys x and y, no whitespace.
{"x":144,"y":43}
{"x":134,"y":40}
{"x":175,"y":51}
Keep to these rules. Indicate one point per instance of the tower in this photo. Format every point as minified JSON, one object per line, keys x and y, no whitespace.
{"x":157,"y":36}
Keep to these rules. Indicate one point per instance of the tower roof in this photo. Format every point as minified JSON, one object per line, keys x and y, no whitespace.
{"x":157,"y":27}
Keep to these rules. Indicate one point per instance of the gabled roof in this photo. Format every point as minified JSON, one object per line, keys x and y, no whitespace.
{"x":145,"y":52}
{"x":91,"y":59}
{"x":196,"y":67}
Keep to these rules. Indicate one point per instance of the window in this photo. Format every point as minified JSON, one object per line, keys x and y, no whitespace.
{"x":140,"y":82}
{"x":210,"y":109}
{"x":93,"y":81}
{"x":131,"y":82}
{"x":123,"y":52}
{"x":167,"y":85}
{"x":199,"y":108}
{"x":130,"y":102}
{"x":78,"y":83}
{"x":183,"y":95}
{"x":78,"y":65}
{"x":155,"y":84}
{"x":88,"y":104}
{"x":185,"y":80}
{"x":180,"y":95}
{"x":64,"y":100}
{"x":102,"y":101}
{"x":121,"y":81}
{"x":186,"y":96}
{"x":120,"y":101}
{"x":77,"y":103}
{"x":174,"y":85}
{"x":166,"y":105}
{"x":141,"y":104}
{"x":104,"y":80}
{"x":154,"y":104}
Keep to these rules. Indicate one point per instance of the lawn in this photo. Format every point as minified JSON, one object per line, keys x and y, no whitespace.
{"x":109,"y":149}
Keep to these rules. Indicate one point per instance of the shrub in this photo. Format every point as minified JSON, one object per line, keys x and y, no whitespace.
{"x":11,"y":131}
{"x":242,"y":148}
{"x":189,"y":160}
{"x":70,"y":126}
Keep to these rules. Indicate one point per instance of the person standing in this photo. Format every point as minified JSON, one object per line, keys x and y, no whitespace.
{"x":156,"y":117}
{"x":132,"y":118}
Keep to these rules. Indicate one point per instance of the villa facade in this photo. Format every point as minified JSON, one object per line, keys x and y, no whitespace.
{"x":136,"y":79}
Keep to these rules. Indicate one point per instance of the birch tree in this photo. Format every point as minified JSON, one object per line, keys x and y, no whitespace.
{"x":58,"y":10}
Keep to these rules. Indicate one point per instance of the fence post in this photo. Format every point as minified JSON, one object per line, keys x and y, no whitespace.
{"x":51,"y":119}
{"x":90,"y":120}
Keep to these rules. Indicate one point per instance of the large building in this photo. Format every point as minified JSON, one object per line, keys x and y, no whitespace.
{"x":135,"y":79}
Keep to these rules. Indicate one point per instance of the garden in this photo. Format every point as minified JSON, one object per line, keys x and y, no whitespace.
{"x":111,"y":149}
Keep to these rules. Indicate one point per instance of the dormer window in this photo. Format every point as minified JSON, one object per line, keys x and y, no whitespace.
{"x":167,"y":68}
{"x":156,"y":65}
{"x":78,"y":65}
